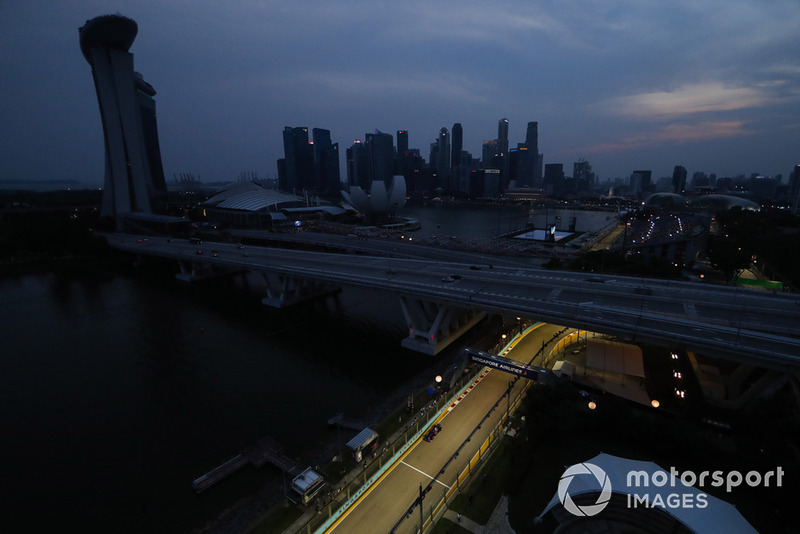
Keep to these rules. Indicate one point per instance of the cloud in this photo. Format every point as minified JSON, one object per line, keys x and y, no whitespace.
{"x":694,"y":99}
{"x":672,"y":133}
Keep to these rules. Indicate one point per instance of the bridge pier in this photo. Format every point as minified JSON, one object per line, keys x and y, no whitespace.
{"x":192,"y":271}
{"x":735,"y":387}
{"x":284,"y":290}
{"x":432,"y":326}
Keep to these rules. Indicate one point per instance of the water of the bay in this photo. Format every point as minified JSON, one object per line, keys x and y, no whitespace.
{"x":118,"y":386}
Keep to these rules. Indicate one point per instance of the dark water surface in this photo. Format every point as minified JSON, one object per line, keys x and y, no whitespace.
{"x":118,"y":389}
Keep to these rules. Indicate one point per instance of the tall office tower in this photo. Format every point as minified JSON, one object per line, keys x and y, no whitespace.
{"x":700,"y":179}
{"x":401,"y":158}
{"x":326,"y":163}
{"x":502,"y":148}
{"x":466,"y":165}
{"x":679,"y":175}
{"x":433,"y":155}
{"x":537,"y":159}
{"x":458,"y":144}
{"x":380,"y":156}
{"x":299,"y":155}
{"x":414,"y":170}
{"x":457,"y":137}
{"x":635,"y":183}
{"x":644,"y":181}
{"x":133,"y":171}
{"x":582,"y":170}
{"x":443,"y":163}
{"x":553,"y":177}
{"x":489,"y":155}
{"x":357,"y":165}
{"x":402,"y":141}
{"x":532,"y":137}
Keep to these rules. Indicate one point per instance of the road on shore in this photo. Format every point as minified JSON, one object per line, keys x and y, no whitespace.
{"x":390,"y":498}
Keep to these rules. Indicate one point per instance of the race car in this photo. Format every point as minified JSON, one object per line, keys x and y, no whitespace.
{"x":432,"y":432}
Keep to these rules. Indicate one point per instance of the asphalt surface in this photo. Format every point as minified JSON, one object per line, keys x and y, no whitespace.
{"x":380,"y":509}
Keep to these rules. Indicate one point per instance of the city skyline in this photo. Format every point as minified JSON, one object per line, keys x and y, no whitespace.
{"x":710,"y":87}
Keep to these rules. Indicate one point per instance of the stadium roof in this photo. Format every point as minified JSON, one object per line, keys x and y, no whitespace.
{"x":247,"y":196}
{"x":723,"y":202}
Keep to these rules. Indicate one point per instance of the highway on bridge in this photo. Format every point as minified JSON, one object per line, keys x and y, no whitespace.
{"x":747,"y":325}
{"x":388,"y":500}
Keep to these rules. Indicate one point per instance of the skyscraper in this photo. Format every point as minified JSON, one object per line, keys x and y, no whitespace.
{"x":502,"y":149}
{"x":457,"y":136}
{"x":357,"y":165}
{"x":645,"y":181}
{"x":402,"y":142}
{"x":582,"y":171}
{"x":443,"y":155}
{"x":553,"y":177}
{"x":490,"y":156}
{"x":133,"y":171}
{"x":536,"y":160}
{"x":326,"y":163}
{"x":679,"y":179}
{"x":299,"y":154}
{"x":401,"y":158}
{"x":532,"y":137}
{"x":380,"y":156}
{"x":458,"y":144}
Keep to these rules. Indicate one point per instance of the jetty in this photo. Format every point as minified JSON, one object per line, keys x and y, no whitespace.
{"x":266,"y":450}
{"x":340,"y":420}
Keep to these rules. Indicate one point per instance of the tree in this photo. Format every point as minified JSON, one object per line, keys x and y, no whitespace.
{"x":727,"y":256}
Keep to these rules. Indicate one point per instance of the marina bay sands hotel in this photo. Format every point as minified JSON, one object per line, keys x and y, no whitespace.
{"x":134,"y":176}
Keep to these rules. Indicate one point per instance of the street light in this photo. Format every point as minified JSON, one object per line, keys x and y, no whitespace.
{"x":654,"y":403}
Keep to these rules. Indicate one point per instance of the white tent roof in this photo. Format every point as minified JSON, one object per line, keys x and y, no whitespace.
{"x":363,"y":438}
{"x":718,"y":516}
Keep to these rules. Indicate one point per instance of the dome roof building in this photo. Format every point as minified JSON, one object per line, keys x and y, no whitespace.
{"x":723,"y":202}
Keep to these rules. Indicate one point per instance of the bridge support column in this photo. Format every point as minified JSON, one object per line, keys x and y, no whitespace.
{"x":432,"y":326}
{"x":284,"y":290}
{"x":737,"y":387}
{"x":192,"y":271}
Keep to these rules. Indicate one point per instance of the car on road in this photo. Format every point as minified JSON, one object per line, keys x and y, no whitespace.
{"x":432,"y":432}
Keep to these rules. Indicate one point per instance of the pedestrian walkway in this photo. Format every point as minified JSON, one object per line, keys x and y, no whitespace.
{"x":498,"y":522}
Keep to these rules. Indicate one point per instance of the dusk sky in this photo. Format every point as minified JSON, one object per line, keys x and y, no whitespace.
{"x":712,"y":85}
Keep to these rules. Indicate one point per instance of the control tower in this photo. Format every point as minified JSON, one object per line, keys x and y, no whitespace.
{"x":134,"y":175}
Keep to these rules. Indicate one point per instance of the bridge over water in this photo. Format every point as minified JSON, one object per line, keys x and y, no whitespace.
{"x":441,"y":300}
